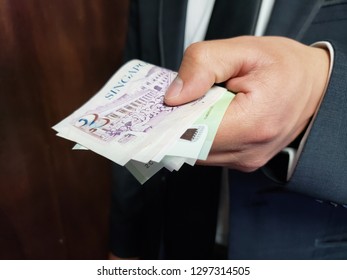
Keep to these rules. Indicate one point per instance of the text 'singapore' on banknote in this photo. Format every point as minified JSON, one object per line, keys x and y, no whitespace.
{"x":128,"y":122}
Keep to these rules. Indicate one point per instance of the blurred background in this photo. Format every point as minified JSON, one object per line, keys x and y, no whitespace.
{"x":54,"y":55}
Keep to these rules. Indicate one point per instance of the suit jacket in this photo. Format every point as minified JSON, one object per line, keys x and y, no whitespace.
{"x":305,"y":218}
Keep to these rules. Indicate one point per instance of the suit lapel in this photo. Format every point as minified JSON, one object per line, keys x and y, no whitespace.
{"x":291,"y":18}
{"x":172,"y":17}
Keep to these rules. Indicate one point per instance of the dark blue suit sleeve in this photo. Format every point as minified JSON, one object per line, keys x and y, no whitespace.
{"x":322,"y":168}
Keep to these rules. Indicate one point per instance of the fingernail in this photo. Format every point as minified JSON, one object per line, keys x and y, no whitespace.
{"x":174,"y":89}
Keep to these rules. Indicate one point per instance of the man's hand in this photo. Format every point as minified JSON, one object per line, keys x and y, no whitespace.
{"x":279,"y":83}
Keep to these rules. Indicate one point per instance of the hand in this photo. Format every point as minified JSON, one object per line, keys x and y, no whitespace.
{"x":279,"y":83}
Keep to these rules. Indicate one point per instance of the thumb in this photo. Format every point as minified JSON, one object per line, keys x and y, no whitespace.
{"x":194,"y":79}
{"x":203,"y":65}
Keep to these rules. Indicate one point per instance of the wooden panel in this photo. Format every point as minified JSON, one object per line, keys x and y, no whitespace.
{"x":54,"y":55}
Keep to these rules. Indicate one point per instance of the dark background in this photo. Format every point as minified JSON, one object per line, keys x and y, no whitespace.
{"x":54,"y":55}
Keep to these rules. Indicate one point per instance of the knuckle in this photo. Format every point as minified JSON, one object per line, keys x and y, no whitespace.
{"x":197,"y":52}
{"x":256,"y":163}
{"x":252,"y":164}
{"x":264,"y":133}
{"x":259,"y":141}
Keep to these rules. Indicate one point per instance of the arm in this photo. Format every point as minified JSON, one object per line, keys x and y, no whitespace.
{"x":276,"y":81}
{"x":279,"y":83}
{"x":321,"y":169}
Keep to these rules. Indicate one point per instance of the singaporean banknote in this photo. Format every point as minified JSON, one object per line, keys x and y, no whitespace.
{"x":128,"y":122}
{"x":195,"y":143}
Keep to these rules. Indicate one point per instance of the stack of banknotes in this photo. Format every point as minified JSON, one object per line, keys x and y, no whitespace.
{"x":128,"y":122}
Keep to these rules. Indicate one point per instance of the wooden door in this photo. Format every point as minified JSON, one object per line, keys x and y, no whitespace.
{"x":54,"y":55}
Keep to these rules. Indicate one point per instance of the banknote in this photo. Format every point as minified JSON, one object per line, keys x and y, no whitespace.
{"x":195,"y":143}
{"x":128,"y":120}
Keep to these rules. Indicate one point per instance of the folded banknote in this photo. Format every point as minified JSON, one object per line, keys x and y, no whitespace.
{"x":128,"y":122}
